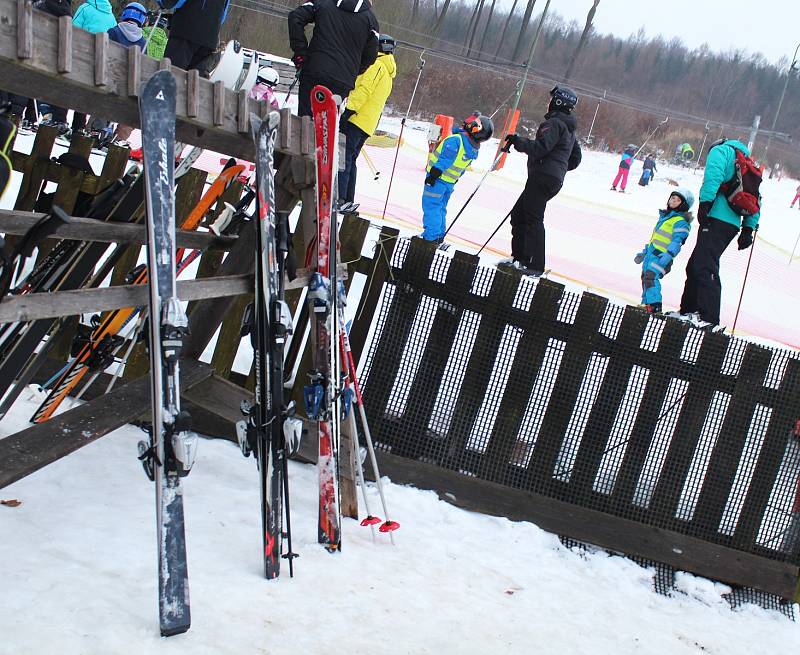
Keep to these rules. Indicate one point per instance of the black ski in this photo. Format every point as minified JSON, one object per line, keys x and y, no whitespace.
{"x":267,"y":428}
{"x":170,"y":452}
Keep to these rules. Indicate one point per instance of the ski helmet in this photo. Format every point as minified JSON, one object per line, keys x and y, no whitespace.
{"x":563,"y":98}
{"x":386,"y":44}
{"x":686,"y":195}
{"x":269,"y":76}
{"x":630,"y":146}
{"x":479,"y":127}
{"x":135,"y":12}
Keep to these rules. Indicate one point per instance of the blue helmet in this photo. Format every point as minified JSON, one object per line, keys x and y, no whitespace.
{"x":135,"y":12}
{"x":688,"y":196}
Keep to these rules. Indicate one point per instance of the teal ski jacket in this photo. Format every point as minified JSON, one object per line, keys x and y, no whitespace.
{"x":719,"y":169}
{"x":95,"y":16}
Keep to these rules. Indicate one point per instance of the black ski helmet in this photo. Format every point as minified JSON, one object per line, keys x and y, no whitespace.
{"x":563,"y":99}
{"x":386,"y":44}
{"x":479,"y":127}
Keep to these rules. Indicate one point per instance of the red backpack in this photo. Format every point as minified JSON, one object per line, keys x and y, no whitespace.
{"x":741,"y":191}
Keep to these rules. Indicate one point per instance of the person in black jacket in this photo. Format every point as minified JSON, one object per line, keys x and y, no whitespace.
{"x":553,"y":152}
{"x":194,"y":32}
{"x":344,"y":45}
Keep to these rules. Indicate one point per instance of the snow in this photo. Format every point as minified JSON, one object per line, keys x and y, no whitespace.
{"x":80,"y":574}
{"x":79,"y":552}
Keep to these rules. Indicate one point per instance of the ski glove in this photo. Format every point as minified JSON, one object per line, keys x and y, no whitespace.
{"x":298,"y":61}
{"x":511,"y":140}
{"x":745,"y":239}
{"x":702,"y":212}
{"x":639,"y":257}
{"x":434,"y":175}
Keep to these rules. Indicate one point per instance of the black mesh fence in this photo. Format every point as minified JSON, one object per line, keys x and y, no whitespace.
{"x":515,"y":381}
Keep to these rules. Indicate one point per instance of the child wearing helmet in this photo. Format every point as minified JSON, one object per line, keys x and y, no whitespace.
{"x":670,"y":233}
{"x":628,"y":155}
{"x":264,"y":89}
{"x":446,"y":164}
{"x":128,"y":32}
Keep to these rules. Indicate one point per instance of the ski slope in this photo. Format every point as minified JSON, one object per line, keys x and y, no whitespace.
{"x":79,"y":575}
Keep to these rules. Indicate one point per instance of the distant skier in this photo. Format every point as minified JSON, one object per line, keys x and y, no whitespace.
{"x":446,"y":164}
{"x":344,"y":44}
{"x":624,"y":168}
{"x":264,"y":89}
{"x":553,"y":152}
{"x":194,"y":32}
{"x":670,"y":233}
{"x":719,"y":224}
{"x":796,"y":197}
{"x":364,"y":107}
{"x":648,"y":170}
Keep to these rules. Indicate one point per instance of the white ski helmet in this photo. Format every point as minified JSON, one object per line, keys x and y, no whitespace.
{"x":269,"y":76}
{"x":685,"y":194}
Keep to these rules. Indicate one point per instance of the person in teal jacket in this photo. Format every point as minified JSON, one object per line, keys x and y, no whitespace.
{"x":95,"y":16}
{"x":719,"y":224}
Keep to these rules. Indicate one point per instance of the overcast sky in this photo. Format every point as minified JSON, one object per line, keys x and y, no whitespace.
{"x":774,"y":25}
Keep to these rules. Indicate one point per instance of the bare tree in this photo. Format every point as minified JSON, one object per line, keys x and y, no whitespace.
{"x":505,"y":28}
{"x":519,"y":49}
{"x":440,"y":21}
{"x":415,"y":10}
{"x":584,"y":36}
{"x":474,"y":26}
{"x":486,"y":27}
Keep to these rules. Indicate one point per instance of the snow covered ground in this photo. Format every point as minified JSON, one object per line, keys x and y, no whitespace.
{"x":79,"y":575}
{"x":78,"y":553}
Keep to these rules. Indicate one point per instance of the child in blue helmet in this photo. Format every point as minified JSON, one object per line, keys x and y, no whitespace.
{"x":446,"y":164}
{"x":128,"y":31}
{"x":670,"y":233}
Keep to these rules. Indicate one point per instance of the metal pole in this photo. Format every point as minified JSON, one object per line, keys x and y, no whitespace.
{"x":780,"y":102}
{"x":530,"y":60}
{"x":596,"y":109}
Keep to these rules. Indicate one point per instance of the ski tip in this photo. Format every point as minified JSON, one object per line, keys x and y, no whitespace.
{"x":337,"y":99}
{"x":274,"y":119}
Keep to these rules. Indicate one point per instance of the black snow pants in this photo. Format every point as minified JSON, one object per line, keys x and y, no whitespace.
{"x":527,"y":220}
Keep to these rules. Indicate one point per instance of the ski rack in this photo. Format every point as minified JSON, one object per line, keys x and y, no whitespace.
{"x":45,"y":57}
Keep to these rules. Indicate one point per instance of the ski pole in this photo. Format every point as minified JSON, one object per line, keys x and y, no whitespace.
{"x":744,"y":282}
{"x":502,"y":152}
{"x":375,"y":172}
{"x":420,"y":65}
{"x":291,"y":87}
{"x":497,"y":229}
{"x":791,"y":257}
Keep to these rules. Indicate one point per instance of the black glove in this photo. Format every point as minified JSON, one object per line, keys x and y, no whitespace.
{"x":745,"y":239}
{"x":298,"y":61}
{"x":346,"y":114}
{"x":433,"y":175}
{"x":702,"y":212}
{"x":511,"y":140}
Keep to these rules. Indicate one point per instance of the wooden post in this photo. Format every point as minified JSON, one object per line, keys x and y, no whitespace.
{"x":34,"y":168}
{"x":65,"y":45}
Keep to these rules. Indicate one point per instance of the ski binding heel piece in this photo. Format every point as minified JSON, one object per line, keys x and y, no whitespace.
{"x":174,"y":327}
{"x":319,"y":294}
{"x":292,"y":430}
{"x":184,"y":443}
{"x":314,"y":395}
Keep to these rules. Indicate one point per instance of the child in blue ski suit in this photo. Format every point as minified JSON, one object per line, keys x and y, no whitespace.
{"x":446,"y":165}
{"x":670,"y":233}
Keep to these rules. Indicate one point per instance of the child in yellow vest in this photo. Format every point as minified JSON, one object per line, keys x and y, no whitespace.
{"x":670,"y":233}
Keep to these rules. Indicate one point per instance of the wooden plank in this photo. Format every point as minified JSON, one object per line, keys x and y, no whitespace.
{"x":36,"y":165}
{"x":28,"y":451}
{"x":286,"y":128}
{"x":785,"y":412}
{"x":134,"y":71}
{"x":219,"y":103}
{"x":164,"y":64}
{"x":91,"y":229}
{"x":368,"y":305}
{"x":729,"y":449}
{"x":101,"y":59}
{"x":682,"y":446}
{"x":622,"y":535}
{"x":72,"y":178}
{"x":622,"y":358}
{"x":574,"y":363}
{"x":34,"y":306}
{"x":650,"y":407}
{"x":64,"y":44}
{"x":24,"y":29}
{"x":306,"y":136}
{"x":192,"y":93}
{"x":243,"y":100}
{"x":528,"y":360}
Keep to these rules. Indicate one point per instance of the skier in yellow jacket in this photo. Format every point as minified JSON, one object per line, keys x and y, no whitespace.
{"x":364,"y":106}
